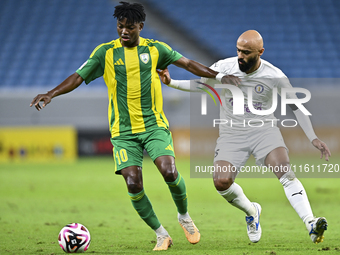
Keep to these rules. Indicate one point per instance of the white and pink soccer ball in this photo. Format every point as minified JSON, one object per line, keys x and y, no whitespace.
{"x":74,"y":237}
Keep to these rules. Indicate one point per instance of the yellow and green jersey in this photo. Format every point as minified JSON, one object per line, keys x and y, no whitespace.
{"x":134,"y":87}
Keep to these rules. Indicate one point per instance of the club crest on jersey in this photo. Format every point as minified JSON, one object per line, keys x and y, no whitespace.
{"x":144,"y":57}
{"x":259,"y":89}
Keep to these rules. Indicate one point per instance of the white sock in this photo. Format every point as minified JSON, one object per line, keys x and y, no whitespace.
{"x":235,"y":196}
{"x":183,"y":216}
{"x":297,"y":196}
{"x":161,"y":231}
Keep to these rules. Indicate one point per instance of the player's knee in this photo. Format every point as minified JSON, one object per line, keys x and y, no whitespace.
{"x":223,"y":184}
{"x":133,"y":179}
{"x":170,"y":174}
{"x":134,"y":183}
{"x":134,"y":187}
{"x":168,"y":170}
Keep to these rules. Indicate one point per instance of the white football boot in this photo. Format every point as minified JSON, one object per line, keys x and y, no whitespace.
{"x":316,"y":227}
{"x":253,"y":224}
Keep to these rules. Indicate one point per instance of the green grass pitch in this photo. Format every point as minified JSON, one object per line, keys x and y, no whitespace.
{"x":37,"y":200}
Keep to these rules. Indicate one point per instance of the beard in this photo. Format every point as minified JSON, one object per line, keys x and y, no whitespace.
{"x":245,"y":66}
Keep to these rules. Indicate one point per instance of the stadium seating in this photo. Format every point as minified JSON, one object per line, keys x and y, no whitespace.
{"x":301,"y":37}
{"x":42,"y":42}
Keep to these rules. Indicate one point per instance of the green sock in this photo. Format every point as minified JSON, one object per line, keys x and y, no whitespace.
{"x":142,"y":205}
{"x":179,"y":194}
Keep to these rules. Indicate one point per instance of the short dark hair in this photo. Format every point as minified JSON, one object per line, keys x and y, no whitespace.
{"x":133,"y":12}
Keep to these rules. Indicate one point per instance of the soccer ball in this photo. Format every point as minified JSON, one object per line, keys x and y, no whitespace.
{"x":74,"y":237}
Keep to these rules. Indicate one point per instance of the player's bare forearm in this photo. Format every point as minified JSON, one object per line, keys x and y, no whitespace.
{"x":69,"y":84}
{"x":195,"y":68}
{"x":203,"y":71}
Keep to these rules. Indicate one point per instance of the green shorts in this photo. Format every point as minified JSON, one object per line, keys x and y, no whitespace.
{"x":128,"y":149}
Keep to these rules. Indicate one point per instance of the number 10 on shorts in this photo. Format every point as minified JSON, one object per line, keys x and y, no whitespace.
{"x":121,"y":156}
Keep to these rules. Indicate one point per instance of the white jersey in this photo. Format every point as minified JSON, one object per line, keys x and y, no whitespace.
{"x":262,"y":82}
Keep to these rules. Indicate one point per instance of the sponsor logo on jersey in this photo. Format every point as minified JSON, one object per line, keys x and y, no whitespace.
{"x":144,"y":57}
{"x":259,"y":89}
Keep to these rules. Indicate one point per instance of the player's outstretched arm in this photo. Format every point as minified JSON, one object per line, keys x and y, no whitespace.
{"x":69,"y":84}
{"x":204,"y":71}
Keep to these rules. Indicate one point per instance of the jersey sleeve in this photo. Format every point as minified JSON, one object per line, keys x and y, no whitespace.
{"x":217,"y":66}
{"x":283,"y":82}
{"x":166,"y":55}
{"x":94,"y":66}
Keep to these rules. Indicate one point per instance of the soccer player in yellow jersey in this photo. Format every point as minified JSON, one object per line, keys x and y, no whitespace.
{"x":129,"y":67}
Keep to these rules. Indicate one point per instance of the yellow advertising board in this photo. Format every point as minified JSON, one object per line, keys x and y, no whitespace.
{"x":34,"y":144}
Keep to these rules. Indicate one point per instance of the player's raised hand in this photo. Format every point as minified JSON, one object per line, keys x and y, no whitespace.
{"x":46,"y":98}
{"x":231,"y":79}
{"x":164,"y":75}
{"x":320,"y":145}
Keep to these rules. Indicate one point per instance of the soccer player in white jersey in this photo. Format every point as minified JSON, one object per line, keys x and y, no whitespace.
{"x":235,"y":144}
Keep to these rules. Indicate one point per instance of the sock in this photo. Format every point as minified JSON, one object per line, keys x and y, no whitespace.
{"x":142,"y":205}
{"x":161,"y":231}
{"x":179,"y":194}
{"x":183,"y":216}
{"x":297,"y":196}
{"x":235,"y":196}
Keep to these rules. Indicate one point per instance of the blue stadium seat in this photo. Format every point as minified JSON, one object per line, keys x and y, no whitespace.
{"x":43,"y":42}
{"x":305,"y":27}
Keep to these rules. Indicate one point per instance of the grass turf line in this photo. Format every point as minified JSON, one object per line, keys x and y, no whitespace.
{"x":37,"y":200}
